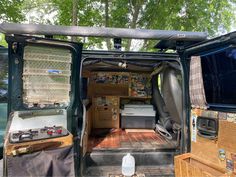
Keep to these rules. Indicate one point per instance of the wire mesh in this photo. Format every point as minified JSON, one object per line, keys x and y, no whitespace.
{"x":46,"y":75}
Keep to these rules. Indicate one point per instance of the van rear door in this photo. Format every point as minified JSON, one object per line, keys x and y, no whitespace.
{"x":210,"y":71}
{"x":44,"y":77}
{"x":3,"y":95}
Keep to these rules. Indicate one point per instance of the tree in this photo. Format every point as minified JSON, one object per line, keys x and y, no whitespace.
{"x":39,"y":11}
{"x":2,"y":40}
{"x":107,"y":23}
{"x":10,"y":11}
{"x":212,"y":16}
{"x":74,"y":16}
{"x":135,"y":9}
{"x":89,"y":14}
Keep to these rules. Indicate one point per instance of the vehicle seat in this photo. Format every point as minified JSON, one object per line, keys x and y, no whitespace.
{"x":172,"y":94}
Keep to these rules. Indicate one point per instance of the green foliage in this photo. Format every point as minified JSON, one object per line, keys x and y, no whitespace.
{"x":213,"y":16}
{"x":89,"y":14}
{"x":10,"y":11}
{"x":2,"y":40}
{"x":3,"y":74}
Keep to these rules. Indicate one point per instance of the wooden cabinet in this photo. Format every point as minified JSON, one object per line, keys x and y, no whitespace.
{"x":106,"y":112}
{"x":189,"y":165}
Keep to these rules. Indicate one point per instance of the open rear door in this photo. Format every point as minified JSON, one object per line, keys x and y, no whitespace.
{"x":3,"y":95}
{"x":45,"y":110}
{"x":211,"y":68}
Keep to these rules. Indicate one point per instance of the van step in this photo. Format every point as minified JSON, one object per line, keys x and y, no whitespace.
{"x":141,"y":158}
{"x":141,"y":171}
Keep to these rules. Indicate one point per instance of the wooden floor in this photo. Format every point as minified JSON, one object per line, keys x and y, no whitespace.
{"x":110,"y":139}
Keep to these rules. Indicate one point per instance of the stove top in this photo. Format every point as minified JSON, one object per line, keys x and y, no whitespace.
{"x":37,"y":134}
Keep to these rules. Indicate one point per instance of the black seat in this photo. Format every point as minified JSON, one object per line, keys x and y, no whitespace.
{"x":172,"y":94}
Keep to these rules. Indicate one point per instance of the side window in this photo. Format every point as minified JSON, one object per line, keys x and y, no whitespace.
{"x":218,"y":71}
{"x":3,"y":91}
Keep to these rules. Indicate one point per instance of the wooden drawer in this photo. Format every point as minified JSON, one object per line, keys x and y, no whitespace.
{"x":106,"y":117}
{"x":189,"y":165}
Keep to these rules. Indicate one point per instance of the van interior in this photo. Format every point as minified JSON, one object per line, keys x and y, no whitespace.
{"x":133,"y":105}
{"x":175,"y":118}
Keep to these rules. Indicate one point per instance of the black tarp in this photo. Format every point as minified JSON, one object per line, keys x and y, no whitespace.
{"x":54,"y":163}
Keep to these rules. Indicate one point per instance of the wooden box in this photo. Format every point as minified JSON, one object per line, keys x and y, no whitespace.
{"x":106,"y":112}
{"x":189,"y":165}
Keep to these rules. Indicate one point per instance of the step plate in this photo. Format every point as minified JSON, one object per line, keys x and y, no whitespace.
{"x":141,"y":158}
{"x":141,"y":171}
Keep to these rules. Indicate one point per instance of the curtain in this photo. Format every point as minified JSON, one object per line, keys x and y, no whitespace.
{"x":196,"y":87}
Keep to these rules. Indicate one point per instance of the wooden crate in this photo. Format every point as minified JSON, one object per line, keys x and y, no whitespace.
{"x":189,"y":165}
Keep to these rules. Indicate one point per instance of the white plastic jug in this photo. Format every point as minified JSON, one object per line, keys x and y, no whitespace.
{"x":128,"y":165}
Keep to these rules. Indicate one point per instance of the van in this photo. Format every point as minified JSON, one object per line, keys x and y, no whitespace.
{"x":75,"y":112}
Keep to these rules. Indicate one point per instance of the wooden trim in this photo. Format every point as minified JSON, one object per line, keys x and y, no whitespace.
{"x":60,"y":142}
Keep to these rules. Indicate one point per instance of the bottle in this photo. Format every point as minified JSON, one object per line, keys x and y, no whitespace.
{"x":128,"y":165}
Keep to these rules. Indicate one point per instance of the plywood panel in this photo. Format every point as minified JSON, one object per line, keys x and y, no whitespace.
{"x":227,"y":135}
{"x":104,"y":118}
{"x":86,"y":73}
{"x":139,"y":130}
{"x":106,"y":112}
{"x":88,"y":124}
{"x":209,"y":149}
{"x":40,"y":144}
{"x":89,"y":118}
{"x":108,"y":89}
{"x":113,"y":139}
{"x":189,"y":165}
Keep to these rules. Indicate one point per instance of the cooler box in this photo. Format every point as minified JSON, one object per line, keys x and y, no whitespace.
{"x":138,"y":116}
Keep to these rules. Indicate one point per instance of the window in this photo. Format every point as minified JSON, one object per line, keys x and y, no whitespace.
{"x":219,"y":76}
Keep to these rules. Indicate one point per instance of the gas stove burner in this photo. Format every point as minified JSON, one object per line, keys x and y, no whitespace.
{"x":37,"y":134}
{"x":27,"y":134}
{"x":52,"y":130}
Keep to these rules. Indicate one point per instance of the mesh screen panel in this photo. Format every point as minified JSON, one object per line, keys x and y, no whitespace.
{"x":46,"y":75}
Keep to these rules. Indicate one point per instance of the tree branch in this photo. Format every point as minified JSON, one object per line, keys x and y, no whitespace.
{"x":74,"y":17}
{"x":108,"y":41}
